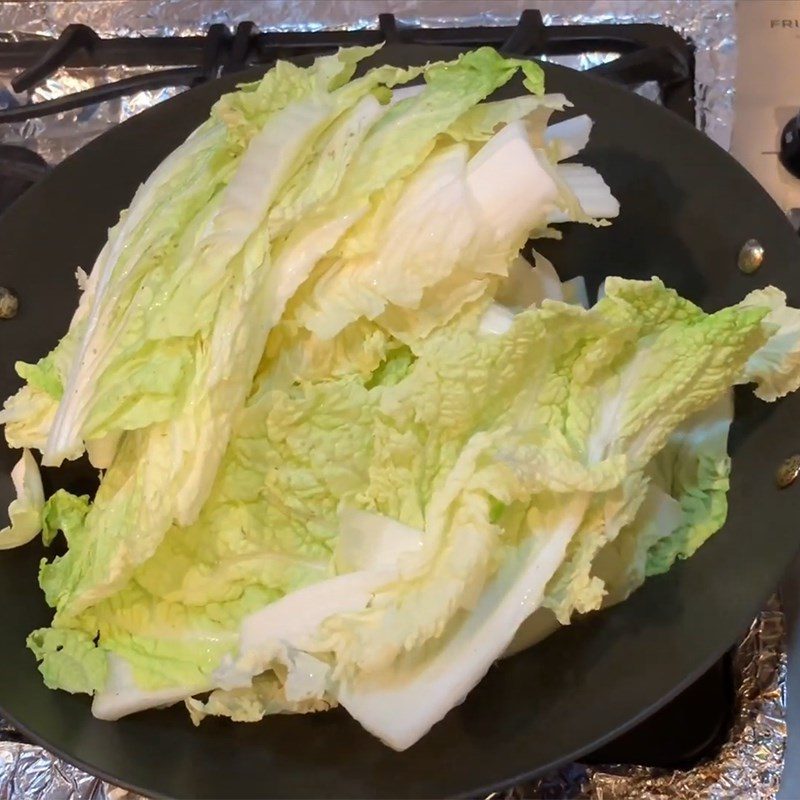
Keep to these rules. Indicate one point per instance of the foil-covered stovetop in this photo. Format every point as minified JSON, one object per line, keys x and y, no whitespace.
{"x":750,"y":762}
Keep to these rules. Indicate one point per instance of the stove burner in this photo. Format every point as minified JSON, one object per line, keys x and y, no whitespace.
{"x":647,"y":53}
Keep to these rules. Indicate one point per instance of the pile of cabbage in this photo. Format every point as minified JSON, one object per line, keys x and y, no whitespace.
{"x":349,"y":440}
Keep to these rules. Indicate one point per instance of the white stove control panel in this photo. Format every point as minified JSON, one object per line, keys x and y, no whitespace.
{"x":768,"y":97}
{"x":767,"y":100}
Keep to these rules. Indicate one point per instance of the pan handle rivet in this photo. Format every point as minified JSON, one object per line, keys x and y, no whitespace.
{"x":788,"y":471}
{"x":751,"y":256}
{"x":9,"y":303}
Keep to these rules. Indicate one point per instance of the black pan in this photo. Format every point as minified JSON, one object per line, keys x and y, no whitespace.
{"x":687,"y":208}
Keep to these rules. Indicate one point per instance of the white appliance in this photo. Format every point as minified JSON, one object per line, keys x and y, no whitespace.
{"x":767,"y":101}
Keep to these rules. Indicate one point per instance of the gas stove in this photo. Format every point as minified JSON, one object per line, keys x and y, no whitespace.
{"x":650,"y":58}
{"x":645,"y":53}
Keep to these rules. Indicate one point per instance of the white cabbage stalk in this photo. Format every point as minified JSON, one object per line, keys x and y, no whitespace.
{"x":64,"y":439}
{"x":591,"y":191}
{"x":25,"y":511}
{"x":509,"y":183}
{"x":402,"y":704}
{"x":528,"y":286}
{"x":569,"y":137}
{"x":283,"y":632}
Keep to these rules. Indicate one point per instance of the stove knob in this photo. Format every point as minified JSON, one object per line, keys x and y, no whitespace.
{"x":789,"y":154}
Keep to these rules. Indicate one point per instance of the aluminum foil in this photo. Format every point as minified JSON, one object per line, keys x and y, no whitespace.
{"x":56,"y":136}
{"x":750,"y":763}
{"x":709,"y":23}
{"x":28,"y":772}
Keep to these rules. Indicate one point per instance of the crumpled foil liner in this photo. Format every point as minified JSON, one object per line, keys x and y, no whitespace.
{"x":28,"y":772}
{"x":56,"y":136}
{"x":750,"y":763}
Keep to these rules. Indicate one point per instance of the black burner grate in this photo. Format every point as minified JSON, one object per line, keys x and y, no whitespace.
{"x":646,"y":53}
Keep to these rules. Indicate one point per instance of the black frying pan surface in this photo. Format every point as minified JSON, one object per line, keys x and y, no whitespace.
{"x":687,"y":208}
